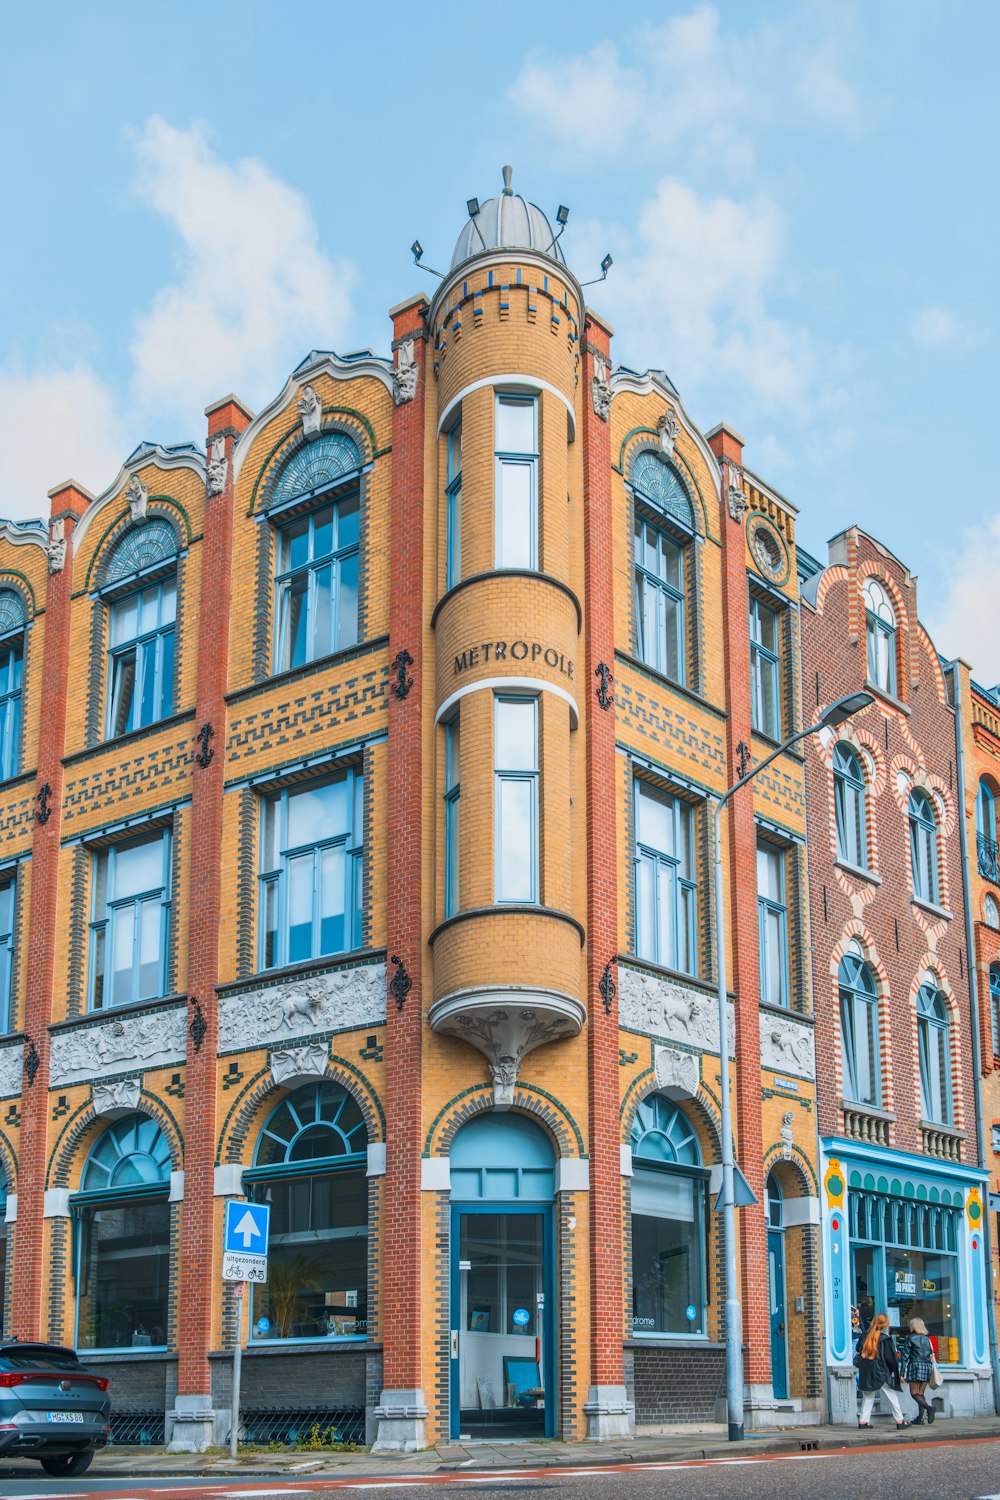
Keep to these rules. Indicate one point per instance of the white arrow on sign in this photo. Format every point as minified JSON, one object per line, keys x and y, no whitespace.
{"x":247,"y":1227}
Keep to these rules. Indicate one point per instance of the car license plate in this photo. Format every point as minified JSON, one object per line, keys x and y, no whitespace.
{"x":67,"y":1416}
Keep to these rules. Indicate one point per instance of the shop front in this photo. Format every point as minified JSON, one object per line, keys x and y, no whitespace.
{"x":904,"y":1237}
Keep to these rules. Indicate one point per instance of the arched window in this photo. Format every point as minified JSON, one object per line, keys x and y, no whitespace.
{"x":880,"y":632}
{"x":663,"y":524}
{"x":995,"y":1008}
{"x":923,"y":847}
{"x":774,"y":1202}
{"x":991,"y":911}
{"x":986,"y":832}
{"x":859,"y":1038}
{"x":316,"y":580}
{"x":8,"y":893}
{"x":669,"y":1215}
{"x":3,"y":1250}
{"x":141,"y":627}
{"x":11,"y":669}
{"x":310,"y":1165}
{"x":849,"y":808}
{"x":123,"y":1240}
{"x":935,"y":1055}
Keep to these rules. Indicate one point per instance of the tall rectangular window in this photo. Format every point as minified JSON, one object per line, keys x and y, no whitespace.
{"x":141,"y":666}
{"x":659,"y":599}
{"x":453,"y":566}
{"x":516,"y":482}
{"x":765,"y":712}
{"x":311,"y":871}
{"x":772,"y":924}
{"x":665,"y":892}
{"x":515,"y":810}
{"x":130,"y":921}
{"x":316,"y":586}
{"x":7,"y":894}
{"x":11,"y":661}
{"x":452,"y":804}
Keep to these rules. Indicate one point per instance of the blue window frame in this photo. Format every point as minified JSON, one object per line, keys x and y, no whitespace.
{"x":765,"y":699}
{"x":515,"y":808}
{"x":311,"y":871}
{"x":141,"y":657}
{"x":995,"y":1008}
{"x":130,"y":921}
{"x":452,"y":808}
{"x":665,"y":890}
{"x":516,"y":481}
{"x":880,"y":636}
{"x":453,"y":494}
{"x":669,"y":1217}
{"x":859,"y":1032}
{"x":3,"y":1250}
{"x":659,"y":598}
{"x":8,"y":898}
{"x":316,"y":584}
{"x":986,"y":833}
{"x":122,"y":1216}
{"x":772,"y":924}
{"x":923,"y":847}
{"x":310,"y":1165}
{"x":11,"y":672}
{"x":934,"y":1047}
{"x":849,"y":808}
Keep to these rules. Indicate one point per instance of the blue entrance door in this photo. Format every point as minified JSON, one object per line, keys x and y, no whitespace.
{"x":776,"y":1287}
{"x":502,"y":1355}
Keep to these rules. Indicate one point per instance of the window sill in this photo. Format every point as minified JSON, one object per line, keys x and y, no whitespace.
{"x":113,"y":1012}
{"x":639,"y":1340}
{"x":20,"y":777}
{"x":507,"y":909}
{"x":667,"y":682}
{"x":950,"y":1130}
{"x":787,"y":1011}
{"x":793,"y":751}
{"x":941,"y":912}
{"x":265,"y":1347}
{"x":857,"y":872}
{"x":115,"y":742}
{"x":295,"y":674}
{"x":880,"y":693}
{"x":129,"y":1352}
{"x":354,"y":959}
{"x":867,"y":1109}
{"x":633,"y":961}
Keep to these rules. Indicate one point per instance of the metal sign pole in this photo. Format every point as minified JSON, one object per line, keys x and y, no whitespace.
{"x":234,"y":1431}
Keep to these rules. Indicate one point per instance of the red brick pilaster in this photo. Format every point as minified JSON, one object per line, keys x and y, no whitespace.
{"x":602,"y":881}
{"x":200,"y":1286}
{"x":744,"y":974}
{"x":69,"y":501}
{"x":403,"y":1259}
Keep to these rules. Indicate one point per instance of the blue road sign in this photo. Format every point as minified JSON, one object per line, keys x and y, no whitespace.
{"x":246,"y":1228}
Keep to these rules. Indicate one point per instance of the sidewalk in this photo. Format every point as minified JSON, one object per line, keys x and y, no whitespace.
{"x":450,"y":1457}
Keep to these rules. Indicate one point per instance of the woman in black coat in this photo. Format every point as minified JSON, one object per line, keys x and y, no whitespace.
{"x":920,"y":1368}
{"x":878,"y":1370}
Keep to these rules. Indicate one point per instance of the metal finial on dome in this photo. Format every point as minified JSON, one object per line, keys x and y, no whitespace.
{"x":508,"y":173}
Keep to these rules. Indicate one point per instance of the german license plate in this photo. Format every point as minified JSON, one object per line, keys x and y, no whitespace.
{"x":67,"y":1416}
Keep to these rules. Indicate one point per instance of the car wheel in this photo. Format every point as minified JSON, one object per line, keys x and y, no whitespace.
{"x":66,"y":1465}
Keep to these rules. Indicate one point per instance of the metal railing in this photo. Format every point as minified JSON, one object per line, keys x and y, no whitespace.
{"x":137,"y":1428}
{"x":986,"y":849}
{"x":318,"y":1425}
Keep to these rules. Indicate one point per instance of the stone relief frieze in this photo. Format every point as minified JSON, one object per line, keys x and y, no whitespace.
{"x":786,"y":1046}
{"x":664,"y":1008}
{"x":118,"y":1042}
{"x":11,"y":1070}
{"x":319,"y":1002}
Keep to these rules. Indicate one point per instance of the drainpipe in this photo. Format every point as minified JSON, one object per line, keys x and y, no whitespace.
{"x":970,"y":963}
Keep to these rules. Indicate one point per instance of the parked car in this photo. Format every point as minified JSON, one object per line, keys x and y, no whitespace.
{"x":51,"y":1407}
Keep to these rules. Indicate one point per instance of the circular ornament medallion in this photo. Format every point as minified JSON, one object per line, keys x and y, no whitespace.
{"x":769,"y":550}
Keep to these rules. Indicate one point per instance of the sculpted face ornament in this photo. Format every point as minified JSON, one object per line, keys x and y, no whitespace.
{"x":57,"y":546}
{"x":668,"y":428}
{"x":137,"y":496}
{"x":311,"y":411}
{"x":600,"y":388}
{"x":404,"y":377}
{"x":218,"y":466}
{"x":736,"y":500}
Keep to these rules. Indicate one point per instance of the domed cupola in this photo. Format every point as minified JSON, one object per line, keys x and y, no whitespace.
{"x":509,"y":222}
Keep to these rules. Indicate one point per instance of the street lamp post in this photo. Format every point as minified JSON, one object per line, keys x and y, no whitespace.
{"x":834,"y":716}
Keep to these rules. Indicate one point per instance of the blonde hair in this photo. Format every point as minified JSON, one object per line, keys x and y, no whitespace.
{"x":879,"y":1324}
{"x":917,"y":1325}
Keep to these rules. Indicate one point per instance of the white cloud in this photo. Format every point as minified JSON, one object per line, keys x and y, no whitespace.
{"x":935,"y":327}
{"x":57,"y":425}
{"x":254,"y":290}
{"x":964,"y":623}
{"x":690,"y":86}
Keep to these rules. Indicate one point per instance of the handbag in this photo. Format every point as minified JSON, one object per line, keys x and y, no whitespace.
{"x":937,"y":1379}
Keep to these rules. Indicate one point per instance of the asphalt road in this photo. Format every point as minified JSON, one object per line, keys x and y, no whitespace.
{"x":930,"y":1471}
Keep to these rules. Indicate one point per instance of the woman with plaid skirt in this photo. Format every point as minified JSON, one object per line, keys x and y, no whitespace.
{"x":919,"y":1368}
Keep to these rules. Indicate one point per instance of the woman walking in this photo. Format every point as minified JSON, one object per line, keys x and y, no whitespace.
{"x":919,"y":1369}
{"x":878,"y":1370}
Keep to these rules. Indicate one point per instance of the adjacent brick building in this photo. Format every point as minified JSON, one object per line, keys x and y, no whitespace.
{"x":356,"y":802}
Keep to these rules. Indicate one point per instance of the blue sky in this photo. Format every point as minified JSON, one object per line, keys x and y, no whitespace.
{"x":800,"y":200}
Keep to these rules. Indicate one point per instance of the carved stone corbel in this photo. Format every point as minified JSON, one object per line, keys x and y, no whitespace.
{"x":311,"y":411}
{"x":218,"y":466}
{"x":137,"y":495}
{"x":404,"y":376}
{"x":736,"y":500}
{"x":57,"y":546}
{"x":600,"y":388}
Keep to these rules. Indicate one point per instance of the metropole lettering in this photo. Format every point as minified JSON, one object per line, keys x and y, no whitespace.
{"x":519,"y":651}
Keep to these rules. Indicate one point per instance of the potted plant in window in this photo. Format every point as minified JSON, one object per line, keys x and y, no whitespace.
{"x":286,"y":1281}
